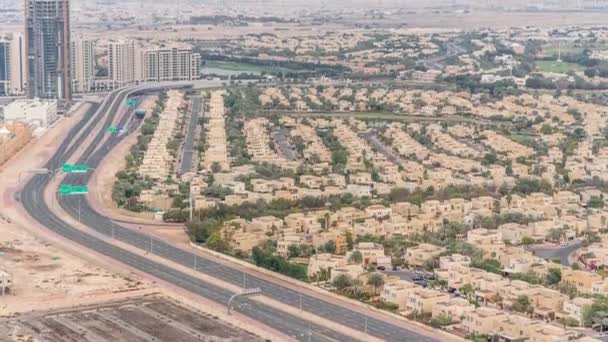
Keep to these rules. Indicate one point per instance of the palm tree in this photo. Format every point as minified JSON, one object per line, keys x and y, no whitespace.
{"x":376,"y":280}
{"x":355,"y":288}
{"x":325,"y":273}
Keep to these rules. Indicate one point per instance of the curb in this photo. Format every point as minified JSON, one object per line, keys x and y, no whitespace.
{"x":426,"y":330}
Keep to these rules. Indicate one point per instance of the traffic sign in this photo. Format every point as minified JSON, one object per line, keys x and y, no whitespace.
{"x":66,"y":189}
{"x":69,"y":168}
{"x":114,"y":129}
{"x":131,"y":103}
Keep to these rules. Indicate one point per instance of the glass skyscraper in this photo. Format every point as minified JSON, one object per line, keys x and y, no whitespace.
{"x":48,"y":48}
{"x":5,"y":67}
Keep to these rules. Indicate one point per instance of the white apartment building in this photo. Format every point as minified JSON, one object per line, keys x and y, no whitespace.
{"x":170,"y":64}
{"x":130,"y":64}
{"x":36,"y":112}
{"x":124,"y":67}
{"x":82,"y":65}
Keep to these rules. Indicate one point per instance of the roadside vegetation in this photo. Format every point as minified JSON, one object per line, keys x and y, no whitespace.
{"x":129,"y":183}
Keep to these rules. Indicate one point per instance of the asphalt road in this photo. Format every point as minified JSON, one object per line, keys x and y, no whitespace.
{"x":32,"y":198}
{"x":371,"y":136}
{"x":559,"y":252}
{"x":284,"y":144}
{"x":188,"y":148}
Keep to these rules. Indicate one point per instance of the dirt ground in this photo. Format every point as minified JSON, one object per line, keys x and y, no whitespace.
{"x":50,"y":274}
{"x":104,"y":178}
{"x":45,"y":276}
{"x":142,"y":319}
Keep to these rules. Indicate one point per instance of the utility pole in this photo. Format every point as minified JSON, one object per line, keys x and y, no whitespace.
{"x":309,"y":332}
{"x":365,"y":330}
{"x":300,"y":302}
{"x":191,"y":204}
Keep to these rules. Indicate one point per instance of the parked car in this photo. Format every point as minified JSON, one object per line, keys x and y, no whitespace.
{"x":381,"y":268}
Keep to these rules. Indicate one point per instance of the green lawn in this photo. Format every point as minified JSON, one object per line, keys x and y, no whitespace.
{"x":235,"y":68}
{"x":558,"y":67}
{"x":551,"y":50}
{"x":523,"y":139}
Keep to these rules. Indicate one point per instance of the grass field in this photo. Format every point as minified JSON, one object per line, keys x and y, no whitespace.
{"x":554,"y":51}
{"x":235,"y":68}
{"x":557,"y":67}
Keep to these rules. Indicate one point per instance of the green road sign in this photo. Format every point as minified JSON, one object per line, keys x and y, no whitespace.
{"x":114,"y":129}
{"x":66,"y":189}
{"x":68,"y":168}
{"x":131,"y":103}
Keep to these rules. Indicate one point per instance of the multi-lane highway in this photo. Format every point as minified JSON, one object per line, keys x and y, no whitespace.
{"x":101,"y":144}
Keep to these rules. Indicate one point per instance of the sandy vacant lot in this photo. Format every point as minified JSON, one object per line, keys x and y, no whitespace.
{"x":45,"y":276}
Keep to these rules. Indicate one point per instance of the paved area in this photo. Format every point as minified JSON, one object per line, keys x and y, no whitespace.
{"x":558,"y":252}
{"x":283,"y":143}
{"x":188,"y":146}
{"x":371,"y":136}
{"x":150,"y":319}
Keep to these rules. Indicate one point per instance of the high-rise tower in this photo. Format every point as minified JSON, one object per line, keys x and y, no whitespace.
{"x":5,"y":66}
{"x":82,"y":65}
{"x":47,"y":33}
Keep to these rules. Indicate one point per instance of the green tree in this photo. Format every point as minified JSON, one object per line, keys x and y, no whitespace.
{"x":546,"y":129}
{"x":329,"y":247}
{"x":293,"y":251}
{"x":339,"y":157}
{"x":522,"y":304}
{"x":555,"y":234}
{"x":355,"y":257}
{"x":441,"y":320}
{"x":489,"y":265}
{"x":553,"y":276}
{"x":342,"y":282}
{"x":467,"y":290}
{"x":354,"y":289}
{"x":375,"y":175}
{"x":527,"y":241}
{"x":489,"y":158}
{"x":376,"y":280}
{"x":579,"y":134}
{"x":216,"y":167}
{"x":348,"y":236}
{"x":595,"y":203}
